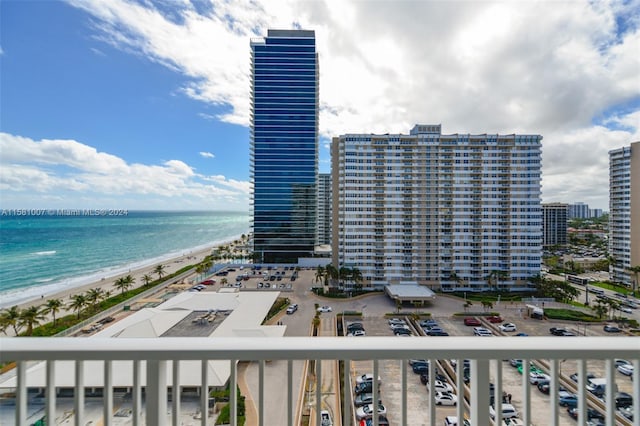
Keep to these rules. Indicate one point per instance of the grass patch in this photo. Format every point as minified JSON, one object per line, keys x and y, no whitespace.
{"x":280,"y":304}
{"x":491,"y":296}
{"x":613,"y":287}
{"x":569,"y":315}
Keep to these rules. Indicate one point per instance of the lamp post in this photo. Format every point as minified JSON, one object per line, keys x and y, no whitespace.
{"x":586,"y":290}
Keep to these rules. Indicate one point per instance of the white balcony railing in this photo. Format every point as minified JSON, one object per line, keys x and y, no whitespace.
{"x":153,"y":356}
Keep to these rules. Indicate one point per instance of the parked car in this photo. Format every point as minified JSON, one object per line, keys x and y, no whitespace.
{"x":570,"y":400}
{"x":366,"y":378}
{"x":591,"y":413}
{"x":323,"y":309}
{"x":611,"y":328}
{"x":397,"y":321}
{"x":574,"y":377}
{"x":367,"y":411}
{"x":471,"y":321}
{"x":439,"y":386}
{"x":355,"y":326}
{"x":515,"y":362}
{"x":356,"y":333}
{"x":420,"y":368}
{"x":481,"y":331}
{"x":364,"y":399}
{"x":626,"y":369}
{"x":424,"y":378}
{"x":558,"y":331}
{"x":208,"y":282}
{"x":438,"y":332}
{"x":292,"y":308}
{"x":363,"y":388}
{"x":382,"y":421}
{"x":535,"y":377}
{"x":428,"y":323}
{"x":507,"y":327}
{"x":402,"y":332}
{"x":623,"y":399}
{"x":445,"y":398}
{"x":418,"y":361}
{"x":508,"y":411}
{"x":494,"y":319}
{"x":621,"y":361}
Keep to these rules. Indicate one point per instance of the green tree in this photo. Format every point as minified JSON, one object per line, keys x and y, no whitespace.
{"x":160,"y":271}
{"x":146,"y":279}
{"x":636,"y":271}
{"x":30,"y":318}
{"x":121,"y":284}
{"x":130,"y":281}
{"x":53,"y":306}
{"x":11,"y":318}
{"x":356,"y":276}
{"x":78,"y":303}
{"x":94,"y":296}
{"x":600,"y":308}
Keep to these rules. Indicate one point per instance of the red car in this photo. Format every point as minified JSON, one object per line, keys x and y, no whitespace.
{"x":208,"y":282}
{"x":494,"y":319}
{"x":471,"y":321}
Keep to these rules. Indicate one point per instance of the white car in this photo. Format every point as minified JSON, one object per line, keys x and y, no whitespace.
{"x":366,"y":411}
{"x":325,"y":308}
{"x":508,"y":411}
{"x":626,"y":369}
{"x":398,"y":326}
{"x":507,"y":326}
{"x":481,"y":331}
{"x":439,"y":386}
{"x":535,"y":378}
{"x":356,"y":333}
{"x":397,"y":321}
{"x":446,"y":398}
{"x":366,"y":378}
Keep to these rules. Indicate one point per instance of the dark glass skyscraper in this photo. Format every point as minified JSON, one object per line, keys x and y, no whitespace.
{"x":284,"y":144}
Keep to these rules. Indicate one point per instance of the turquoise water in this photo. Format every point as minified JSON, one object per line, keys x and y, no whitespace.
{"x":45,"y":254}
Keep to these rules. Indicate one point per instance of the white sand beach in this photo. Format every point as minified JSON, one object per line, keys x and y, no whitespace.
{"x":107,"y":283}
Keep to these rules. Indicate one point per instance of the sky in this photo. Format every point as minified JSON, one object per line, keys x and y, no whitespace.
{"x":117,"y":104}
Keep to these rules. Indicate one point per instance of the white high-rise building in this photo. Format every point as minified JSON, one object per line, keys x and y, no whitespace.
{"x":456,"y":212}
{"x":624,"y":212}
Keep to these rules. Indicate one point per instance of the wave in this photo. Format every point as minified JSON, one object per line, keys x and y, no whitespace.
{"x":15,"y":296}
{"x":44,"y":280}
{"x":44,"y":253}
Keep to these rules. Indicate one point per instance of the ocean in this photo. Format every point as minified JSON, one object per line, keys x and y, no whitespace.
{"x":44,"y":254}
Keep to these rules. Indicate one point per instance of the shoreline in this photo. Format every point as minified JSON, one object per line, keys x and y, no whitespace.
{"x":172,"y":264}
{"x":49,"y":289}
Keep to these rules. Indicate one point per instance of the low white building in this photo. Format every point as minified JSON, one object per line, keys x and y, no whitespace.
{"x":229,"y":313}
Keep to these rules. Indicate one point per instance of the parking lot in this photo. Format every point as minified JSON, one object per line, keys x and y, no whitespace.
{"x":376,"y":310}
{"x":417,"y":395}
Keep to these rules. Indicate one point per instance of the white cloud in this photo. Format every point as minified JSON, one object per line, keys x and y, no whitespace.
{"x":531,"y":67}
{"x":207,"y":154}
{"x":43,"y":169}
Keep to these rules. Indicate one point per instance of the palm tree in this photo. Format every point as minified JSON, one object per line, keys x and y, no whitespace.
{"x":130,"y":281}
{"x":146,"y":278}
{"x":121,"y":284}
{"x":320,"y":273}
{"x":636,"y":271}
{"x":600,"y":308}
{"x":78,"y":302}
{"x":356,"y":276}
{"x":159,"y":270}
{"x":30,"y":318}
{"x":93,"y":297}
{"x":53,"y":306}
{"x":331,"y":273}
{"x":11,"y":318}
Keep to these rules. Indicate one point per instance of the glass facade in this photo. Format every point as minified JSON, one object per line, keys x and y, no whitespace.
{"x":284,"y":145}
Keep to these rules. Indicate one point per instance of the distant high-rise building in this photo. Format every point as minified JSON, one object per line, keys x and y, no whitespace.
{"x":579,"y":211}
{"x":457,"y":212}
{"x":324,"y":208}
{"x":624,"y":212}
{"x":554,"y":224}
{"x":595,"y":213}
{"x":284,"y":145}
